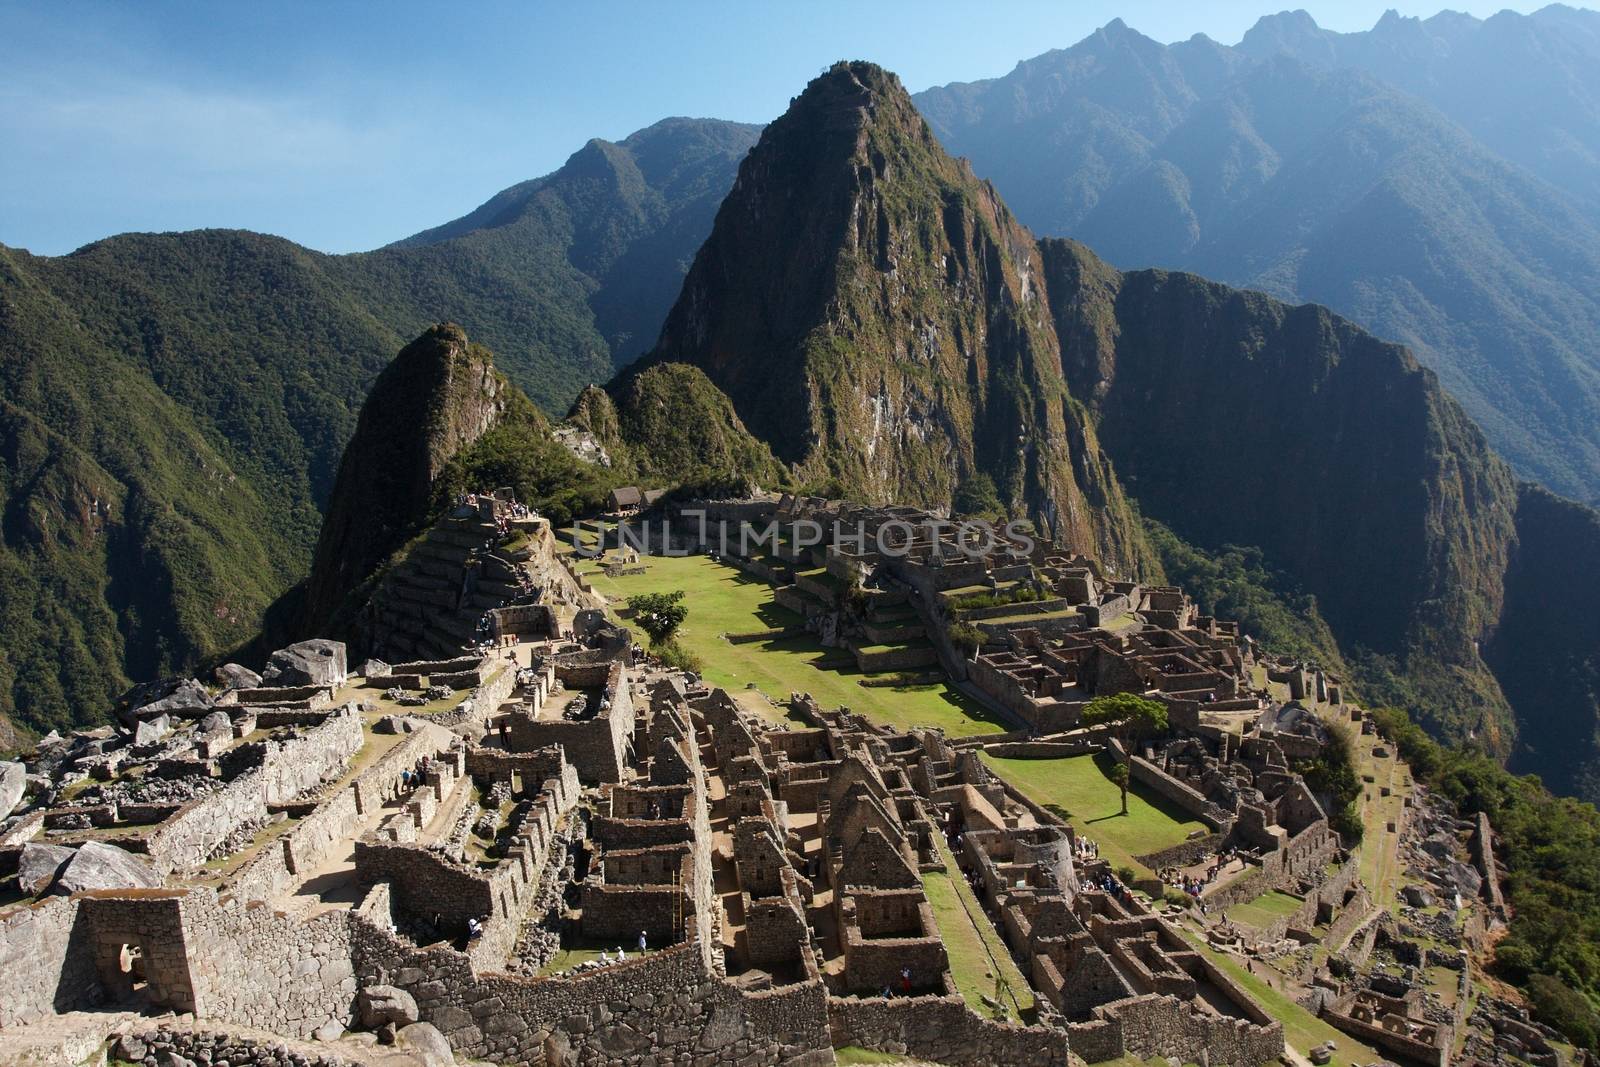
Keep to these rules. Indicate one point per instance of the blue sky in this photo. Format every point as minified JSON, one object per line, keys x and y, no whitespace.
{"x":345,"y":125}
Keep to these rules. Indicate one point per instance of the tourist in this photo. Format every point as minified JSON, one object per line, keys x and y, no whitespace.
{"x":641,"y":942}
{"x":905,"y":980}
{"x":622,"y":957}
{"x":474,"y":928}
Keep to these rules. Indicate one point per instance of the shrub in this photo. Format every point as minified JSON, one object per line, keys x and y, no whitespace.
{"x":1569,"y":1011}
{"x":673,"y":655}
{"x":966,"y":637}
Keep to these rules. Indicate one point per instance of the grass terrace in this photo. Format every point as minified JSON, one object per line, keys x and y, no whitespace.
{"x":1078,"y":790}
{"x":974,"y":946}
{"x":1266,"y":909}
{"x":723,"y":600}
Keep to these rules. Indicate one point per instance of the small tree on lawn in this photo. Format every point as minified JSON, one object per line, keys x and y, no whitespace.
{"x":1119,"y":775}
{"x":659,"y":614}
{"x":1129,"y":714}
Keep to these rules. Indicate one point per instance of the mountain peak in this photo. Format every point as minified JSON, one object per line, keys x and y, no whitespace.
{"x":875,"y":313}
{"x":1285,"y":30}
{"x":440,"y":394}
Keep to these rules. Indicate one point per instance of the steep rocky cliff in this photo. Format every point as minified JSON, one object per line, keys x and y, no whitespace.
{"x":441,"y":394}
{"x":876,"y":314}
{"x":1237,"y":419}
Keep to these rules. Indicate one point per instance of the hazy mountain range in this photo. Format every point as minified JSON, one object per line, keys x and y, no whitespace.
{"x":1434,"y":180}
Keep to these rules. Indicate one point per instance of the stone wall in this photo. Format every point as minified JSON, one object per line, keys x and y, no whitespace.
{"x":942,"y":1030}
{"x":288,"y":768}
{"x":46,"y":965}
{"x":149,"y":922}
{"x":648,"y":1010}
{"x":253,"y":966}
{"x":1153,"y":1025}
{"x":1165,"y":785}
{"x":597,"y":747}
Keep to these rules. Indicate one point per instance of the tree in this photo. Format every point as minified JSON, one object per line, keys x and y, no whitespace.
{"x":1119,"y":775}
{"x":1131,"y":715}
{"x":659,"y":614}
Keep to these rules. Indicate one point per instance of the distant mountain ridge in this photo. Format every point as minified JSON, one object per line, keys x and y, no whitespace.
{"x":249,"y":357}
{"x":1286,"y":164}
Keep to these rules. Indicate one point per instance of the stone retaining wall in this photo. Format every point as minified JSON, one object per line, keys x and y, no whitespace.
{"x":942,"y":1030}
{"x":657,"y":1008}
{"x":289,"y":768}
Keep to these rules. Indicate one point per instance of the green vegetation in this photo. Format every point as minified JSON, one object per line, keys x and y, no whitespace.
{"x":1079,"y":790}
{"x":1130,"y":715}
{"x":1236,"y":583}
{"x":1550,"y":847}
{"x":670,"y":425}
{"x":658,"y":614}
{"x":1015,"y":594}
{"x":965,"y":636}
{"x":1333,"y":775}
{"x":977,"y":497}
{"x":723,"y":600}
{"x":173,"y":407}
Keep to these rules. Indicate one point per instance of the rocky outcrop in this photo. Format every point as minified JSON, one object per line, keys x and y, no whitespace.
{"x":385,"y":1005}
{"x":13,"y":783}
{"x":233,"y":676}
{"x":38,"y":864}
{"x":97,"y":865}
{"x":439,"y":395}
{"x":318,"y":661}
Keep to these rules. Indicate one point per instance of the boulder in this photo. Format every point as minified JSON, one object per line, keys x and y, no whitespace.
{"x":373,"y":668}
{"x":98,"y":865}
{"x":38,"y":864}
{"x":380,"y":1005}
{"x":13,"y":784}
{"x":215,"y":723}
{"x":427,"y":1044}
{"x":151,"y":731}
{"x":167,"y":696}
{"x":1417,"y":896}
{"x":233,"y":676}
{"x":315,"y":662}
{"x":130,"y":1048}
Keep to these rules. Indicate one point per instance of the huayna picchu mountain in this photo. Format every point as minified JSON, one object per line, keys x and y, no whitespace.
{"x":876,"y":315}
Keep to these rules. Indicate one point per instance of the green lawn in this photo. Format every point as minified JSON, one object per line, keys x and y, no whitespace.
{"x":1077,"y":789}
{"x":852,"y":1054}
{"x":1266,"y":909}
{"x":723,"y":600}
